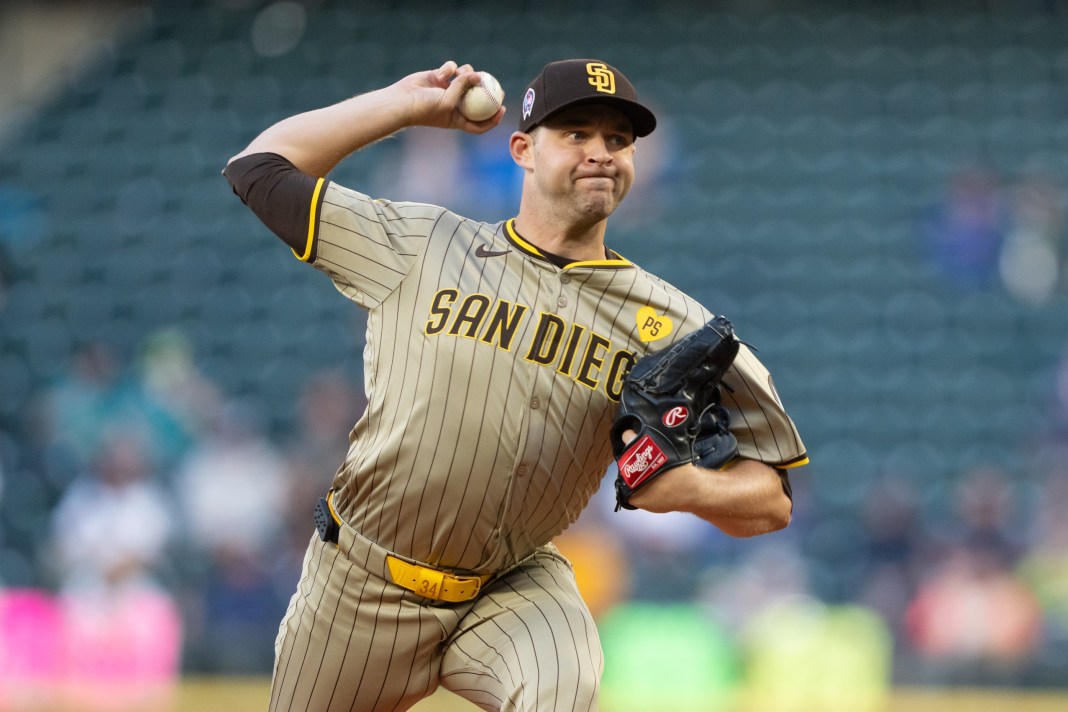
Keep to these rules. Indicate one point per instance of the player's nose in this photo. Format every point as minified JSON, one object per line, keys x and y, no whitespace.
{"x":597,"y":150}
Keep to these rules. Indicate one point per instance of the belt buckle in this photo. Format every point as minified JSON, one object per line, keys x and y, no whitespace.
{"x":466,"y":581}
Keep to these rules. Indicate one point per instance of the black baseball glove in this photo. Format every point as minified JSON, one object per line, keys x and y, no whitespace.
{"x":671,"y":399}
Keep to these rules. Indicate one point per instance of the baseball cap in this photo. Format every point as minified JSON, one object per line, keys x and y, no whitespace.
{"x":571,"y":82}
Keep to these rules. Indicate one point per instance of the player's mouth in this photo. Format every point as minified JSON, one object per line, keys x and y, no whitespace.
{"x":597,"y":177}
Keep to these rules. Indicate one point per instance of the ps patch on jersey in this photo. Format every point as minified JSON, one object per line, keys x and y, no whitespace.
{"x":652,"y":326}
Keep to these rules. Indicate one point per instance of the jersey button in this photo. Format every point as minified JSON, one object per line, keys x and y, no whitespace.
{"x":535,"y":403}
{"x":561,"y":302}
{"x":564,"y":278}
{"x":521,"y":470}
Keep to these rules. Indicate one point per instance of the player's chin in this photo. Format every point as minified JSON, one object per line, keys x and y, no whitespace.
{"x":601,"y":204}
{"x":595,"y":212}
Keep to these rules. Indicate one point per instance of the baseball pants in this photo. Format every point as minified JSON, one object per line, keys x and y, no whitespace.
{"x":354,"y":640}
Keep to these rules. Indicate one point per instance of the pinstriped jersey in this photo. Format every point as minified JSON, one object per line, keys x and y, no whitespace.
{"x":493,"y":376}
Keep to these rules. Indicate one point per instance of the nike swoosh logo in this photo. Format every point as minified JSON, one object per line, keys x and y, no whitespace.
{"x":481,"y":251}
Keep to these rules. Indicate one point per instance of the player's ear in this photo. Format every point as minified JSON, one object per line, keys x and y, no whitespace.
{"x":521,"y":146}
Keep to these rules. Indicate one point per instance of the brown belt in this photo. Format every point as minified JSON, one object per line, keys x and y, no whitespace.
{"x":422,"y":580}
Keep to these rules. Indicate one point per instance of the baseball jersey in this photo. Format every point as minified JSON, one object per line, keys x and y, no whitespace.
{"x":493,"y":373}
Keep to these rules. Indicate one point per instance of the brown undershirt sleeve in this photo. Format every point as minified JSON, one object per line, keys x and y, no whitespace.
{"x":284,"y":198}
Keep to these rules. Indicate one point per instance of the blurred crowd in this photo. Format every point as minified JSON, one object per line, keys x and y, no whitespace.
{"x":154,"y":517}
{"x":179,"y":516}
{"x":171,"y":486}
{"x":167,"y":487}
{"x":991,"y":229}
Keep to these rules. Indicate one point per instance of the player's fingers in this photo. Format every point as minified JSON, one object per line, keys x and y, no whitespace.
{"x":479,"y":127}
{"x":628,"y":436}
{"x":465,"y":78}
{"x":444,"y":74}
{"x":460,"y":84}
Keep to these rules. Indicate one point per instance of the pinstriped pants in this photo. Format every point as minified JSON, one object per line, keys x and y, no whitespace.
{"x":353,"y":640}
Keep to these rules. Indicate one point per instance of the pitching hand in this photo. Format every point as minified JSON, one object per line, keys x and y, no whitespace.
{"x":435,"y":98}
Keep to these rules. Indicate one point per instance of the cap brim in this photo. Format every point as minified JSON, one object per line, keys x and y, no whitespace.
{"x":642,"y":119}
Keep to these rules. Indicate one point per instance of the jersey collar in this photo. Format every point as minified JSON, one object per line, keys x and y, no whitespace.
{"x":613,"y":261}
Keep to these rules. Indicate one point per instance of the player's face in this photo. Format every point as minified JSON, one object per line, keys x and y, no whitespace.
{"x":584,"y":160}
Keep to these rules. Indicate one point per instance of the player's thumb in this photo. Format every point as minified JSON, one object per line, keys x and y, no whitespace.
{"x":460,"y":84}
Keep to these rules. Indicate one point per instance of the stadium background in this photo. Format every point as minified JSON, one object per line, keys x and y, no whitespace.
{"x":873,"y":191}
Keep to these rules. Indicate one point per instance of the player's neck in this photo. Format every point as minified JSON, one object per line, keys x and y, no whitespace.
{"x":575,"y":242}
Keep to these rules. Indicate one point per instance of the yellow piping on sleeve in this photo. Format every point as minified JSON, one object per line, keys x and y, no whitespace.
{"x":313,"y":218}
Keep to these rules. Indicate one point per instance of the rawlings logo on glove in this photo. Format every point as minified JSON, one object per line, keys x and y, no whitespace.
{"x":640,"y":461}
{"x":671,"y":399}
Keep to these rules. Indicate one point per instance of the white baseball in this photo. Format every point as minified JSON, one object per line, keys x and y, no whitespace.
{"x":482,"y":101}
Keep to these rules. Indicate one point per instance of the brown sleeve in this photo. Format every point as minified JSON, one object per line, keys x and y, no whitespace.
{"x":285,"y":199}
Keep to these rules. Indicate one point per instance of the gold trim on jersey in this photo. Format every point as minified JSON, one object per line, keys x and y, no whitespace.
{"x":509,"y":228}
{"x":617,"y":262}
{"x":313,"y":219}
{"x":803,"y":460}
{"x":613,"y":264}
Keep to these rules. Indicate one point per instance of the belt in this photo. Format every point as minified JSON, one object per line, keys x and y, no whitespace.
{"x":419,"y":579}
{"x":432,"y":583}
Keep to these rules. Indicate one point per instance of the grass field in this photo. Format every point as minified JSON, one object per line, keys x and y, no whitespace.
{"x":250,"y":695}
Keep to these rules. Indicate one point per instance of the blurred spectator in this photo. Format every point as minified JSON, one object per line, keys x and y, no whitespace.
{"x":665,"y":552}
{"x":96,"y":394}
{"x":990,"y":517}
{"x":973,"y":620}
{"x":328,"y":408}
{"x":234,"y":614}
{"x":233,"y":489}
{"x":429,"y":167}
{"x":77,"y":405}
{"x":1045,"y":566}
{"x":493,"y":181}
{"x":963,"y":234}
{"x":600,"y":554}
{"x":474,"y":176}
{"x":169,"y":376}
{"x":232,"y":486}
{"x":972,"y":617}
{"x":772,"y":573}
{"x":895,"y":550}
{"x":120,"y":629}
{"x":1031,"y":262}
{"x":1058,"y":417}
{"x":113,"y":525}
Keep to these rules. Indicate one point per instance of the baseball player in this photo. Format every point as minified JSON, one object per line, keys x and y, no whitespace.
{"x":495,"y":360}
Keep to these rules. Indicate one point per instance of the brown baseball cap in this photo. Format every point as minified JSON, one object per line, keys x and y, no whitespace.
{"x":571,"y":82}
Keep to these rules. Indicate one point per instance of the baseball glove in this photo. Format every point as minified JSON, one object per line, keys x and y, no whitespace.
{"x":671,"y":399}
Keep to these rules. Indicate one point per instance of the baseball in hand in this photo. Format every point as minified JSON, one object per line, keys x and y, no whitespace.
{"x":482,"y":101}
